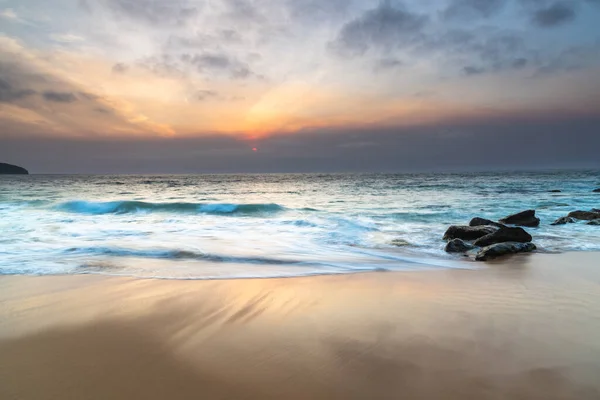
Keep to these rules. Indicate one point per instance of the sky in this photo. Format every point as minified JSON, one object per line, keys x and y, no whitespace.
{"x":186,"y":86}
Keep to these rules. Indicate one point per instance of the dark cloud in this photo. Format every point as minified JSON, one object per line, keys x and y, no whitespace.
{"x":384,"y":27}
{"x":463,"y":9}
{"x":387,"y":64}
{"x":519,"y":63}
{"x":229,"y":36}
{"x":120,"y":68}
{"x":556,"y":14}
{"x":211,"y":64}
{"x":491,"y":50}
{"x":59,"y":97}
{"x":205,"y":40}
{"x":498,"y":51}
{"x":164,"y":65}
{"x":85,"y":6}
{"x":218,"y":63}
{"x":202,"y":95}
{"x":33,"y":87}
{"x":243,"y":12}
{"x":318,"y":10}
{"x":491,"y":47}
{"x":570,"y":59}
{"x":471,"y":70}
{"x":89,"y":96}
{"x":423,"y":94}
{"x":156,"y":12}
{"x":8,"y":94}
{"x":392,"y":30}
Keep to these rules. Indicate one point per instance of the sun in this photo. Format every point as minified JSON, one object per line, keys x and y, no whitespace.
{"x":254,"y":149}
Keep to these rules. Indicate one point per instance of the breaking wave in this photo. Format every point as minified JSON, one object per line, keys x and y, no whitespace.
{"x":132,"y":207}
{"x":177,"y":255}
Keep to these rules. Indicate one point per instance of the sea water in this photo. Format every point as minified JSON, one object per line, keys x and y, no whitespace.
{"x":227,"y":226}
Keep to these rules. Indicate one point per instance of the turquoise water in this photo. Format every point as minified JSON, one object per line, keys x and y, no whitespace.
{"x":223,"y":226}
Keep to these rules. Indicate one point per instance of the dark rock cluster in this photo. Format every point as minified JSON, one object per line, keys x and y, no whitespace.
{"x":490,"y":239}
{"x":500,"y":249}
{"x":486,"y":239}
{"x":524,"y":218}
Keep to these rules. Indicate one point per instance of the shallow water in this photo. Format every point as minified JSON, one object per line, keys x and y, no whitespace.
{"x":220,"y":226}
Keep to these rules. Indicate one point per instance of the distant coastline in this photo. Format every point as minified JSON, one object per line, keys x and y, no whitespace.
{"x":9,"y":169}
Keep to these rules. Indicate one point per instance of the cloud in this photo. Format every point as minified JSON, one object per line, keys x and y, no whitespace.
{"x":219,"y":63}
{"x":38,"y":98}
{"x":215,"y":64}
{"x":163,"y":65}
{"x":229,"y":36}
{"x":519,"y":63}
{"x":85,"y":6}
{"x":202,"y":95}
{"x":204,"y":40}
{"x":471,"y":70}
{"x":59,"y":97}
{"x":156,"y":12}
{"x":206,"y":95}
{"x":318,"y":10}
{"x":462,"y":9}
{"x":423,"y":94}
{"x":8,"y":94}
{"x":66,"y":38}
{"x":391,"y":31}
{"x":571,"y":59}
{"x":10,"y":15}
{"x":556,"y":14}
{"x":480,"y":50}
{"x":243,"y":11}
{"x":384,"y":27}
{"x":151,"y":58}
{"x":387,"y":63}
{"x":120,"y":68}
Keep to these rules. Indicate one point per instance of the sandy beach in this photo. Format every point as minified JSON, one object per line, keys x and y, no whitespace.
{"x":526,"y":328}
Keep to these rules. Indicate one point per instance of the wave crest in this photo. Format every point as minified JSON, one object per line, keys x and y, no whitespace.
{"x":176,"y":255}
{"x":132,"y":207}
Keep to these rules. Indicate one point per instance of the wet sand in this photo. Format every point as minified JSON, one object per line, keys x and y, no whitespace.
{"x":528,"y":328}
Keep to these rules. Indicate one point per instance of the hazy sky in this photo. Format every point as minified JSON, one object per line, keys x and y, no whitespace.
{"x":313,"y":85}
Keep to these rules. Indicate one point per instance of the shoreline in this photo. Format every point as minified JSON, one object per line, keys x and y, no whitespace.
{"x":520,"y":329}
{"x":469,"y":265}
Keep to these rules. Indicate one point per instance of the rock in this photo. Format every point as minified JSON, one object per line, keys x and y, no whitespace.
{"x":468,"y":232}
{"x":524,"y":218}
{"x":554,"y":191}
{"x":594,"y":222}
{"x":500,"y":249}
{"x":505,"y":234}
{"x":596,"y":190}
{"x":458,"y":246}
{"x":596,"y":210}
{"x":483,"y":222}
{"x":12,"y":169}
{"x":585,"y":215}
{"x":563,"y":221}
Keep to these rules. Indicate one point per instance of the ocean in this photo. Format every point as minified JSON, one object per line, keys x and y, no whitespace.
{"x":272,"y":225}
